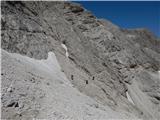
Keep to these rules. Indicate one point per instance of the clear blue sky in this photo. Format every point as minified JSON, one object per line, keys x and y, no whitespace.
{"x":128,"y":14}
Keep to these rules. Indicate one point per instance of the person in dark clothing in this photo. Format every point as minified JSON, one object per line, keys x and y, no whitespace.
{"x":71,"y":77}
{"x":86,"y":81}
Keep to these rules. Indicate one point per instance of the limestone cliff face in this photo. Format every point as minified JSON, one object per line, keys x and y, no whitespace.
{"x":100,"y":59}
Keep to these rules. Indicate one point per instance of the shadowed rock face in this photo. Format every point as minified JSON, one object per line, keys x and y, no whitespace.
{"x":103,"y":61}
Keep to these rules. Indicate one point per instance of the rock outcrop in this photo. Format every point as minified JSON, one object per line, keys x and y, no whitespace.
{"x":109,"y":64}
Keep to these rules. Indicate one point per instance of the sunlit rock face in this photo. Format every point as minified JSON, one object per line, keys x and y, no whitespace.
{"x":116,"y":68}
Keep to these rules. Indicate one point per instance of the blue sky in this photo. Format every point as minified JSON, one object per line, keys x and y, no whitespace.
{"x":128,"y":14}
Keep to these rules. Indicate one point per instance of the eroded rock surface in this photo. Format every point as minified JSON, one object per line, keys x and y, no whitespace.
{"x":103,"y":61}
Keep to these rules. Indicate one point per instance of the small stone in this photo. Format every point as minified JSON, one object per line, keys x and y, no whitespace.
{"x":11,"y":104}
{"x":16,"y":104}
{"x":9,"y":89}
{"x":133,"y":65}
